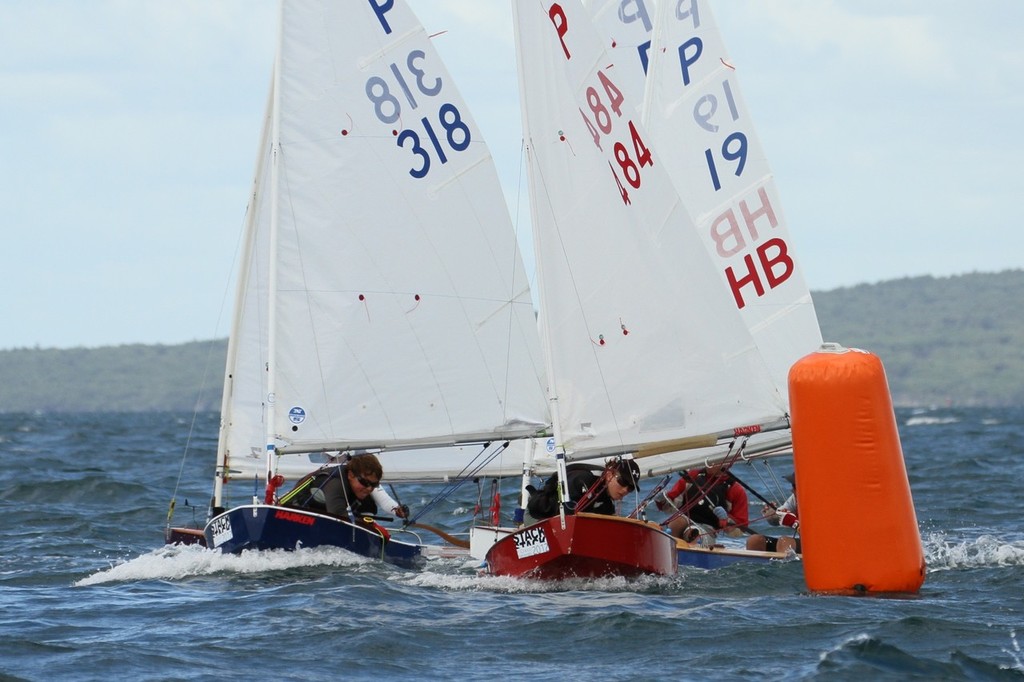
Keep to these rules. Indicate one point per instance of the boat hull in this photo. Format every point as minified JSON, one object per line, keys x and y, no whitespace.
{"x":262,"y":527}
{"x":719,"y":556}
{"x":589,"y":546}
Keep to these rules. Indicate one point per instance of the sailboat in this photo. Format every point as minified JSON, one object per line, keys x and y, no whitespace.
{"x":646,"y":351}
{"x":382,"y":304}
{"x":693,"y":108}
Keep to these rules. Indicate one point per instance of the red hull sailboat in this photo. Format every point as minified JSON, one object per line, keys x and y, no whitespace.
{"x":589,"y":546}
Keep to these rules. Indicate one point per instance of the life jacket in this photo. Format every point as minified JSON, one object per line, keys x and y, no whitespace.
{"x":703,"y":510}
{"x":308,"y":493}
{"x":311,"y":493}
{"x":543,"y":503}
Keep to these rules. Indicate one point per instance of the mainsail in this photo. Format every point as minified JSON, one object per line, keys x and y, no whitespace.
{"x":643,"y":344}
{"x":694,"y":110}
{"x":382,"y":300}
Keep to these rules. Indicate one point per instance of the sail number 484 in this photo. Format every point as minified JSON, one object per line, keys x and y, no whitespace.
{"x":600,"y":122}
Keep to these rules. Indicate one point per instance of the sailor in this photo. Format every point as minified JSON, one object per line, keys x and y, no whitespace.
{"x":350,"y":490}
{"x":784,"y":515}
{"x":713,"y":501}
{"x":610,"y":484}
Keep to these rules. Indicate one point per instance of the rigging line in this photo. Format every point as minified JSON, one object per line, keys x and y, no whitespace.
{"x":464,"y":476}
{"x":754,"y":492}
{"x":650,"y":496}
{"x":487,"y":461}
{"x":207,"y":365}
{"x":519,"y":202}
{"x":512,"y":293}
{"x":394,"y":492}
{"x":479,"y":500}
{"x":709,"y":483}
{"x":459,"y":480}
{"x":774,"y":485}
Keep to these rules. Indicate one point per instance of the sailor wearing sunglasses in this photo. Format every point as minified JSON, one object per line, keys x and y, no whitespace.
{"x":352,"y":488}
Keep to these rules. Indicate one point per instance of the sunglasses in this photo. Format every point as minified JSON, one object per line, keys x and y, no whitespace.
{"x":366,"y":483}
{"x":625,"y":484}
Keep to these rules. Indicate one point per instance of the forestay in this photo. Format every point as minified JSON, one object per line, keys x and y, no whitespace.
{"x":643,"y":343}
{"x":382,"y":298}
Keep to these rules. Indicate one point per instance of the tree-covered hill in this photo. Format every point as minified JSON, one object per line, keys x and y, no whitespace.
{"x":127,"y":378}
{"x":942,"y":340}
{"x":953,"y":340}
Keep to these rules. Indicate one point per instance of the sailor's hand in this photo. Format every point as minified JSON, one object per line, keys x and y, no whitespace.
{"x":787,"y":518}
{"x":722,"y":515}
{"x":401,"y":511}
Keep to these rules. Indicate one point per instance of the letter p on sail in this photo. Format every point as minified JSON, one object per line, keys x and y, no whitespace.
{"x":380,"y":8}
{"x":561,"y":24}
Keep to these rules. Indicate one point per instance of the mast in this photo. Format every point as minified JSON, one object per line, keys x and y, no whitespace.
{"x":275,"y":153}
{"x":227,"y":416}
{"x":545,"y":332}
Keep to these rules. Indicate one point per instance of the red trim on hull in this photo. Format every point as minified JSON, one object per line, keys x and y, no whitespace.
{"x":590,"y":546}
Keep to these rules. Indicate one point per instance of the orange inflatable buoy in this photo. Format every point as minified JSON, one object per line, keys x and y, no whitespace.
{"x":858,"y":527}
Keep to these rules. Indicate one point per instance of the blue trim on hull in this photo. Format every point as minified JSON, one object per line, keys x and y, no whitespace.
{"x":260,"y":526}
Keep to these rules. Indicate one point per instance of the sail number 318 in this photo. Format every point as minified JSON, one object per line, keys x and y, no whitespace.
{"x":425,"y":142}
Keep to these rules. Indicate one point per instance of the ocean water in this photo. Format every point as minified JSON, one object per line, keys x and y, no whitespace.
{"x":89,"y":592}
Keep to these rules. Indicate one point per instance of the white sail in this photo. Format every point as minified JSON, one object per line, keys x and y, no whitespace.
{"x":626,"y":27}
{"x":383,"y":299}
{"x":642,"y":343}
{"x":695,"y":112}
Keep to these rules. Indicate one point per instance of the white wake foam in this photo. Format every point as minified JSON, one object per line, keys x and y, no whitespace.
{"x":175,"y":562}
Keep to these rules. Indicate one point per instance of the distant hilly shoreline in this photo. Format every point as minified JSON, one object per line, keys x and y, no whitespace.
{"x":943,"y":341}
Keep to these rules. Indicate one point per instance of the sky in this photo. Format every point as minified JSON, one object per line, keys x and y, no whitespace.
{"x":130,"y":128}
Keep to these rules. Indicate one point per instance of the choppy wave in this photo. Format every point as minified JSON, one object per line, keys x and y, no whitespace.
{"x":868,"y":657}
{"x":92,"y":594}
{"x":984,"y":551}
